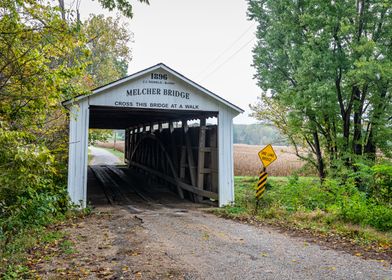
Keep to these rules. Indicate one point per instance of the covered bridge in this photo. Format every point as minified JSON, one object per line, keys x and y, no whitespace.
{"x":175,"y":130}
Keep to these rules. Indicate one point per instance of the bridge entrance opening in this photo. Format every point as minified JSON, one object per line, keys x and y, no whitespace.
{"x":164,"y":151}
{"x":178,"y":137}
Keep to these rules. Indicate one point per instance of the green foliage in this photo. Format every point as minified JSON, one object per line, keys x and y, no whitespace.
{"x":122,"y":5}
{"x":110,"y":54}
{"x":305,"y":195}
{"x":47,"y":56}
{"x":244,"y":195}
{"x":98,"y":135}
{"x":32,"y":192}
{"x":325,"y":71}
{"x":16,"y":256}
{"x":16,"y":272}
{"x":41,"y":64}
{"x":359,"y":210}
{"x":297,"y":195}
{"x":382,"y":186}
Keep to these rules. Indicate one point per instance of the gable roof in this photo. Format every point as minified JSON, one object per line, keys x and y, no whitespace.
{"x":150,"y":69}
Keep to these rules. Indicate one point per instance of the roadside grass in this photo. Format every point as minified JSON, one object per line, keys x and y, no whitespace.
{"x":67,"y":247}
{"x":18,"y":255}
{"x":90,"y":156}
{"x":300,"y":203}
{"x":116,"y":153}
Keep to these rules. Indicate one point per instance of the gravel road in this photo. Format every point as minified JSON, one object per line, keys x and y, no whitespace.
{"x":215,"y":248}
{"x":101,"y":156}
{"x":168,"y":238}
{"x":182,"y":241}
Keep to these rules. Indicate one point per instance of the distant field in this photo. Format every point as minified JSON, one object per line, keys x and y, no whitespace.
{"x":246,"y":160}
{"x":119,"y":145}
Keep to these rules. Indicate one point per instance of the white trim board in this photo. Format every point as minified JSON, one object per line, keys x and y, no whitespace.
{"x":151,"y":69}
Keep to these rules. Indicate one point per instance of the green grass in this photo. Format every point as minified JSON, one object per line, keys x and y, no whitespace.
{"x":90,"y":156}
{"x":116,"y":153}
{"x":14,"y":255}
{"x":67,"y":247}
{"x":33,"y":243}
{"x":302,"y":203}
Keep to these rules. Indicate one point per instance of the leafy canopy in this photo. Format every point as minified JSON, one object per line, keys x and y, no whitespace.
{"x":325,"y":68}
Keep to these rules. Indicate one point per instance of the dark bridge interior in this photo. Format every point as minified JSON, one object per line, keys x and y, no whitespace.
{"x":162,"y":153}
{"x":106,"y":117}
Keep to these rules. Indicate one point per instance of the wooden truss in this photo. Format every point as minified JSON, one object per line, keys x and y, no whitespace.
{"x":185,"y":157}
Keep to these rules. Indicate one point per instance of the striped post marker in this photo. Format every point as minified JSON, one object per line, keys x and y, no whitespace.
{"x":260,"y":189}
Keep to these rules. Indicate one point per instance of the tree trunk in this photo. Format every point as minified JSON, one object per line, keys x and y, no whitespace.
{"x":62,"y":9}
{"x":370,"y":147}
{"x":320,"y":161}
{"x":358,"y":107}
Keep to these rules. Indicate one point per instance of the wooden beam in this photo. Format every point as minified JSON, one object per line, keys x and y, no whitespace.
{"x":183,"y":163}
{"x":214,"y":159}
{"x":171,"y":127}
{"x":176,"y":182}
{"x":185,"y":125}
{"x":191,"y":161}
{"x":174,"y":154}
{"x":201,"y":157}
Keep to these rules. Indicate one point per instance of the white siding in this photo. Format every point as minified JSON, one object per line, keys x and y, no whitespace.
{"x":78,"y":154}
{"x":225,"y":161}
{"x":113,"y":95}
{"x":118,"y":95}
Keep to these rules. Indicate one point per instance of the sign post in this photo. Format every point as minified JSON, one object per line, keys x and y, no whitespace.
{"x":267,"y":155}
{"x":260,"y":189}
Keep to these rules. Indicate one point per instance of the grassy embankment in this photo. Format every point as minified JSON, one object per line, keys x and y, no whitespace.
{"x":20,"y":253}
{"x":300,"y":203}
{"x":116,"y":153}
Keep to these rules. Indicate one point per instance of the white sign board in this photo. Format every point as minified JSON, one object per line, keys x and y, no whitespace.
{"x":156,"y":90}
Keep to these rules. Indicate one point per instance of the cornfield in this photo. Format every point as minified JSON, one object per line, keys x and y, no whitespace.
{"x":247,"y":162}
{"x":246,"y":159}
{"x":119,"y":145}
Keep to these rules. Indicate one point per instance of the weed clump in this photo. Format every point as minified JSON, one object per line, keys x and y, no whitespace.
{"x":305,"y":202}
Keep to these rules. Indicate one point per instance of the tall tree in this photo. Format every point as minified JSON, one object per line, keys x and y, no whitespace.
{"x":122,"y":5}
{"x":41,"y":60}
{"x":327,"y":66}
{"x":43,"y":56}
{"x":108,"y":42}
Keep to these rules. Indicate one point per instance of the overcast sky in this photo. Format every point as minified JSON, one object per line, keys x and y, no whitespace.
{"x":209,"y":42}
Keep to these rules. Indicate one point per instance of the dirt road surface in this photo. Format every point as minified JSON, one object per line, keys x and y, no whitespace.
{"x":101,"y":156}
{"x":178,"y":240}
{"x":148,"y":233}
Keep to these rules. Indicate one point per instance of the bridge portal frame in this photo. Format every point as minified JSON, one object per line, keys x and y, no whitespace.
{"x":166,"y":96}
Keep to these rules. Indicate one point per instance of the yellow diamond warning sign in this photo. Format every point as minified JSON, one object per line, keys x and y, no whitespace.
{"x":267,"y":155}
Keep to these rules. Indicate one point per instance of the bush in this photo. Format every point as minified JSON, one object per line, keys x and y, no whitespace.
{"x":32,"y":191}
{"x":382,"y":186}
{"x":358,"y":209}
{"x":32,"y":195}
{"x":299,"y":195}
